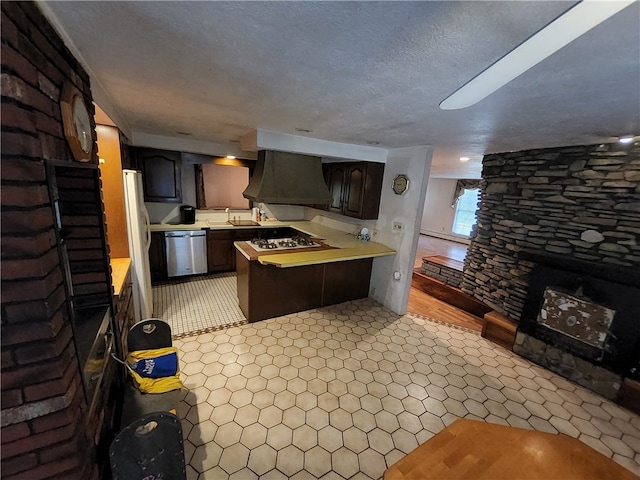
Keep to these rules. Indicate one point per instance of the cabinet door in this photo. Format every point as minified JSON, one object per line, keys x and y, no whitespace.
{"x":371,"y":190}
{"x":157,"y":257}
{"x":354,"y":190}
{"x":240,"y":234}
{"x":220,"y":255}
{"x":161,"y":175}
{"x":335,"y":183}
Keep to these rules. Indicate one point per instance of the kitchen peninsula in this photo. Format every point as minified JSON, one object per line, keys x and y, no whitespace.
{"x":337,"y":269}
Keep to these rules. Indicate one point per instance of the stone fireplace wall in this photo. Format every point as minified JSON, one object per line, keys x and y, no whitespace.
{"x":580,"y":202}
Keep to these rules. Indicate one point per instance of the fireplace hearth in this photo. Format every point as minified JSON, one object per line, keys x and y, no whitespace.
{"x":581,"y":321}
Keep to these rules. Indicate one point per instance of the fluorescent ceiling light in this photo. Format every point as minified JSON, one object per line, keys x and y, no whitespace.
{"x":626,"y":139}
{"x":562,"y":31}
{"x":464,"y":159}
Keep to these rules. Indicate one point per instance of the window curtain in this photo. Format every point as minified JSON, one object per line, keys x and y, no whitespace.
{"x":461,"y":186}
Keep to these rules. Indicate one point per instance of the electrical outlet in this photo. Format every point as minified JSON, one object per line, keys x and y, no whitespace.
{"x":398,"y":226}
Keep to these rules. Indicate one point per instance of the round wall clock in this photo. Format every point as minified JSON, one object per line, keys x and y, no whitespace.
{"x":76,"y":122}
{"x":400,"y":184}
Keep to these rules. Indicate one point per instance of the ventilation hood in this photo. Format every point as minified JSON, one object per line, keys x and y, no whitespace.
{"x":287,"y":178}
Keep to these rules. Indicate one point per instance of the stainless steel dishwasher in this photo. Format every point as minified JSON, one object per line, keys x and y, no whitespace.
{"x":186,"y":252}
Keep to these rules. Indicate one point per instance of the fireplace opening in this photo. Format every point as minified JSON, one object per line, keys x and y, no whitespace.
{"x":582,"y":321}
{"x":577,"y":318}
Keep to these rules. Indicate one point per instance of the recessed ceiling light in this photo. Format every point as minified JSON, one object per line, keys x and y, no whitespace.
{"x":563,"y":30}
{"x":231,"y":157}
{"x":627,"y":139}
{"x":464,"y":159}
{"x":305,"y":130}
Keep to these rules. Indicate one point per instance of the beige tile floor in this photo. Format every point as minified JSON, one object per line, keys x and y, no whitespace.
{"x":345,"y":391}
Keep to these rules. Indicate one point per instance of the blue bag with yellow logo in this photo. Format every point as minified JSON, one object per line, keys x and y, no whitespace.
{"x":157,"y":366}
{"x":154,"y":371}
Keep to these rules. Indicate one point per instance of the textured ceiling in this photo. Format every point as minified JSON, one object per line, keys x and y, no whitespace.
{"x":356,"y":72}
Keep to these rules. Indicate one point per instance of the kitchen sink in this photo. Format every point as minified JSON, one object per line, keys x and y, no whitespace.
{"x":243,"y":223}
{"x":235,"y":223}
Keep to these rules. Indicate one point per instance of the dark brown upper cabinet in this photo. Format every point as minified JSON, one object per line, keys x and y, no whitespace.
{"x":355,"y":188}
{"x":161,"y":174}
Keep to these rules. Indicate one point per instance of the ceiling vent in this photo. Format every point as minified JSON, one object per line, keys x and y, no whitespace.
{"x":287,"y":178}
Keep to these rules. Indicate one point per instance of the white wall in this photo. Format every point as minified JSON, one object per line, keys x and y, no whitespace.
{"x":415,"y":162}
{"x":223,"y":186}
{"x":261,"y":139}
{"x":437,"y":216}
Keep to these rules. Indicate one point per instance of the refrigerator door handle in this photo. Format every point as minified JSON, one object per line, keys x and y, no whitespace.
{"x":147,"y":225}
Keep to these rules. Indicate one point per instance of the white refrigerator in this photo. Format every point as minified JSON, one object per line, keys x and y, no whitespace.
{"x":139,"y":241}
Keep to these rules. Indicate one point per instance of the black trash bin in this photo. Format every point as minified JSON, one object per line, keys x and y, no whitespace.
{"x":188,"y":214}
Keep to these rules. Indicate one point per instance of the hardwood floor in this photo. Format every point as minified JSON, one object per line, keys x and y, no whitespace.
{"x":421,"y":303}
{"x":431,"y":246}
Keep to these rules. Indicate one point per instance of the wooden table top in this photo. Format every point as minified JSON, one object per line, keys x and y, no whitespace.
{"x":469,"y":449}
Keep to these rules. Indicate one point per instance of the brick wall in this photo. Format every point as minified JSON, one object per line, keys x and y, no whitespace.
{"x":576,"y":202}
{"x":44,"y":430}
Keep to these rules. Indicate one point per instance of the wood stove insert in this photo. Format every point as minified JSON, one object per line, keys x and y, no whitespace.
{"x":581,"y":321}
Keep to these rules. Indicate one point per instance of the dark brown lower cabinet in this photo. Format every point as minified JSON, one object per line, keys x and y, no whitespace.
{"x":157,"y":257}
{"x":123,"y":314}
{"x":220,"y":251}
{"x":266,"y":291}
{"x":221,"y":255}
{"x":345,"y":281}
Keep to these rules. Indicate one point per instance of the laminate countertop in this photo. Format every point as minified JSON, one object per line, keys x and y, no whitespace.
{"x":211,"y":225}
{"x":335,"y":246}
{"x":119,"y":270}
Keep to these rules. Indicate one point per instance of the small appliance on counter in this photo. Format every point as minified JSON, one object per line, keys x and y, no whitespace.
{"x":187,"y":214}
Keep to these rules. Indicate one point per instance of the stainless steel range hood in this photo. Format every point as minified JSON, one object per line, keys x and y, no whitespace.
{"x":287,"y":178}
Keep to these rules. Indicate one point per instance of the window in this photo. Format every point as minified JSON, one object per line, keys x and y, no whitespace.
{"x":465,"y":217}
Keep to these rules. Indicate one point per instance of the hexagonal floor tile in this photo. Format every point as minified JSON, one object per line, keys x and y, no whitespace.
{"x":290,"y":460}
{"x":234,"y":458}
{"x":353,"y":387}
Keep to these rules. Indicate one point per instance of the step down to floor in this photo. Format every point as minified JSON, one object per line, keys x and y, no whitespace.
{"x":451,"y":263}
{"x":443,"y":269}
{"x":630,"y":395}
{"x":446,"y":293}
{"x":499,"y":329}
